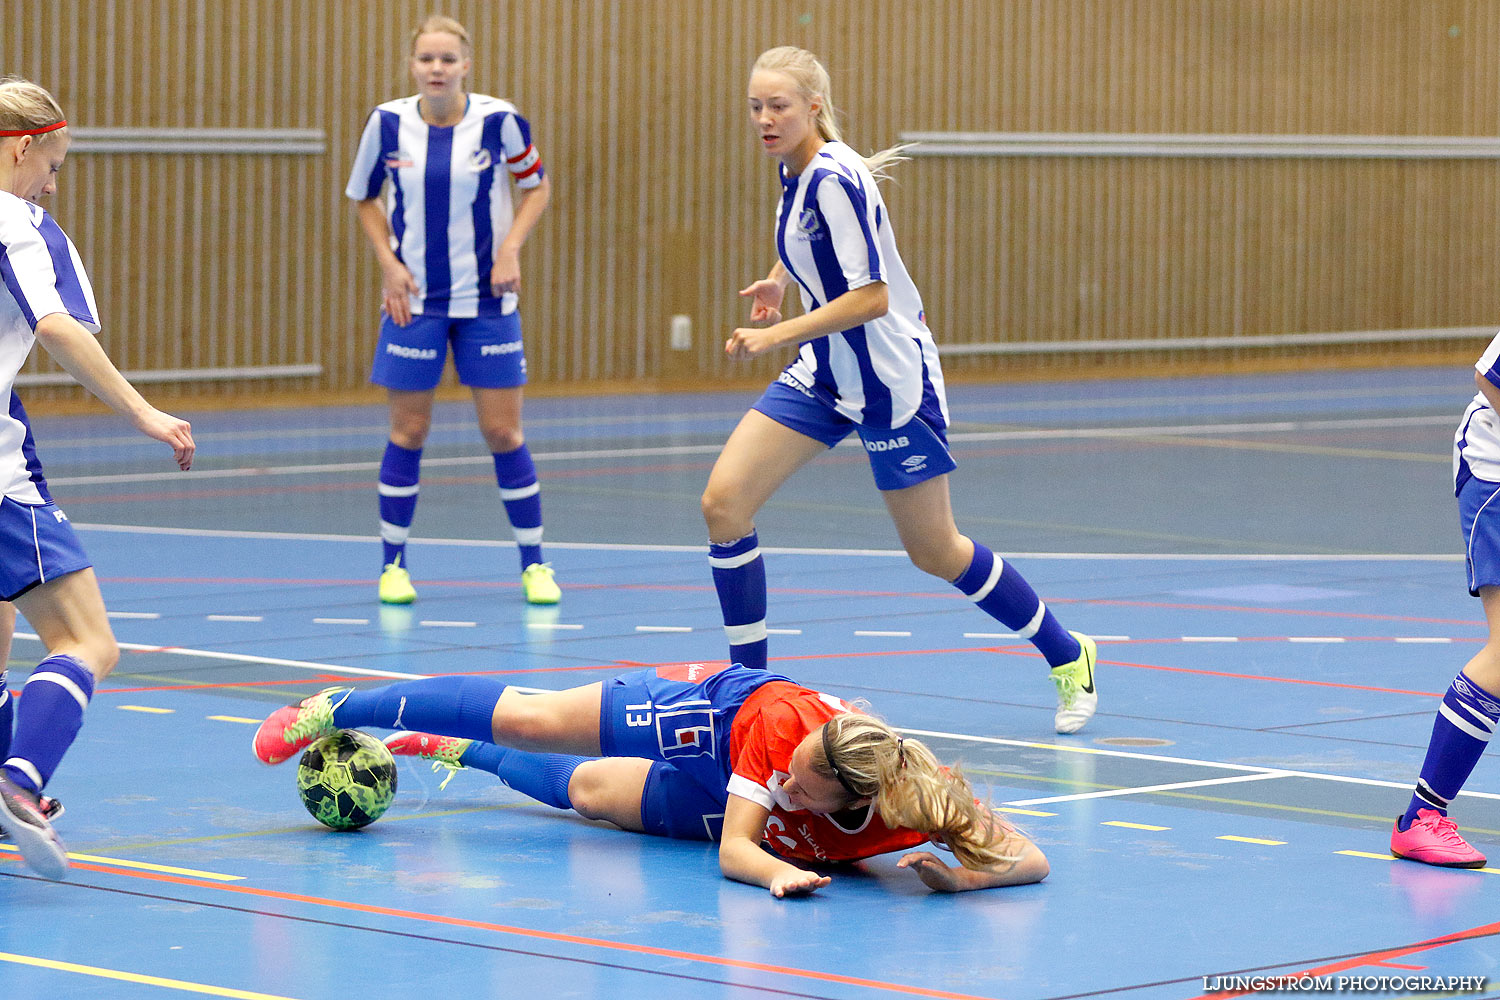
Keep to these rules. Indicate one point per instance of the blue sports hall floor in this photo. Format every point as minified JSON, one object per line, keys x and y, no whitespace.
{"x":1271,"y":563}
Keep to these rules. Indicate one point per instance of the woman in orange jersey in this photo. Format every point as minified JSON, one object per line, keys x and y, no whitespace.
{"x":698,"y":752}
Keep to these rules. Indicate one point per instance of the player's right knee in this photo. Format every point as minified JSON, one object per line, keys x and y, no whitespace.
{"x":589,"y":795}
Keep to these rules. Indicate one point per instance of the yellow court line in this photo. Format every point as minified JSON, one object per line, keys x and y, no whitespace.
{"x":146,"y":708}
{"x":1253,"y":840}
{"x":131,"y":977}
{"x":1133,"y":826}
{"x":1388,"y":857}
{"x":234,"y":718}
{"x":145,"y":866}
{"x":1022,"y":812}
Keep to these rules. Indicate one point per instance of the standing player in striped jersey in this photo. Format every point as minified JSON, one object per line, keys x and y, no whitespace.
{"x":44,"y":572}
{"x":1466,"y":719}
{"x":449,"y":241}
{"x":867,"y":364}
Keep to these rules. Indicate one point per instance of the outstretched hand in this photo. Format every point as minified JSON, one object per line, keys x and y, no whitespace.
{"x":767,"y":295}
{"x":797,"y":883}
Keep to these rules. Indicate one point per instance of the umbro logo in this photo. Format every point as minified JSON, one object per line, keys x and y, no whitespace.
{"x":914,"y":463}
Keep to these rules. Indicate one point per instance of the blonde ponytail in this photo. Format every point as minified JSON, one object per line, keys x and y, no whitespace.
{"x":912,"y":789}
{"x":812,"y":79}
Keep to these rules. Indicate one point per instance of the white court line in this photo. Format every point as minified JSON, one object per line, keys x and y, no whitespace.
{"x":132,"y":614}
{"x":878,"y":634}
{"x":141,"y":529}
{"x":1148,"y":788}
{"x":554,"y":626}
{"x":235,"y":618}
{"x":1190,"y":761}
{"x":666,"y":451}
{"x":209,"y":654}
{"x":783,"y":631}
{"x":664,"y":628}
{"x":434,"y":623}
{"x":341,"y":621}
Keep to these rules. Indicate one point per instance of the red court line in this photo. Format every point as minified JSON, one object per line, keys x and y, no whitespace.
{"x":527,"y":932}
{"x":1374,"y":958}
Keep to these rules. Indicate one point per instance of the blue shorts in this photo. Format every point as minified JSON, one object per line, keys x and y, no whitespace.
{"x":1479,"y":515}
{"x":37,"y":544}
{"x":904,"y":456}
{"x":679,"y":715}
{"x":487,"y":352}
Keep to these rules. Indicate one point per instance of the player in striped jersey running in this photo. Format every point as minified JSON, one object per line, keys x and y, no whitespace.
{"x":448,"y":240}
{"x":867,"y":364}
{"x":45,"y":297}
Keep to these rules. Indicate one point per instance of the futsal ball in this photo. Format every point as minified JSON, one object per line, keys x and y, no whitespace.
{"x":347,"y":780}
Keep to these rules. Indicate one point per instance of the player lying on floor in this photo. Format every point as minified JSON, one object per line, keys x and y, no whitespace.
{"x":742,"y":756}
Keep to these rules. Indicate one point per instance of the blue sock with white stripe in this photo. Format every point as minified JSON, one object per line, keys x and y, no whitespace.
{"x":543,"y":776}
{"x":7,"y":715}
{"x":740,"y":578}
{"x":1465,"y":722}
{"x":446,"y":706}
{"x":522,"y":496}
{"x":1003,"y":594}
{"x":48,"y":719}
{"x":399,"y":475}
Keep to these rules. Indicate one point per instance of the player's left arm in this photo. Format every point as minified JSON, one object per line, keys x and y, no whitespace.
{"x":73,"y":347}
{"x":1030,"y":864}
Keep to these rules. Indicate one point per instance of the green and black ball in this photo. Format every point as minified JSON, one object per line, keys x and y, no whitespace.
{"x":347,"y":780}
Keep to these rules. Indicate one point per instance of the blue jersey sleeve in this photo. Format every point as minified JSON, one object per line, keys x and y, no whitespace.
{"x":41,"y":269}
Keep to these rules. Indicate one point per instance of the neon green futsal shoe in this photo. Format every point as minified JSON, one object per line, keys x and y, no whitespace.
{"x":537,"y":580}
{"x":395,"y":585}
{"x":1077,"y":697}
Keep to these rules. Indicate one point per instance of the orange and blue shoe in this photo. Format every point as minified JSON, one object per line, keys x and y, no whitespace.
{"x":288,"y":730}
{"x":1433,"y":839}
{"x":443,"y":751}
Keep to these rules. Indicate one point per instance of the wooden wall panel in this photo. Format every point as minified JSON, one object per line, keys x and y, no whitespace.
{"x":663,"y":204}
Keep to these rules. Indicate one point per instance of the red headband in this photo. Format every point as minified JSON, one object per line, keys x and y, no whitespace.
{"x":34,"y":131}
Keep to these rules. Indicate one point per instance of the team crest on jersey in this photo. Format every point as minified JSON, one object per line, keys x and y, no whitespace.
{"x":809,"y":226}
{"x":685,"y":733}
{"x":479,"y":161}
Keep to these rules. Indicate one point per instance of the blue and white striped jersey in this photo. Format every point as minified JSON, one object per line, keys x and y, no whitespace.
{"x":833,"y":234}
{"x":449,"y":202}
{"x":42,"y":274}
{"x":1476,"y":445}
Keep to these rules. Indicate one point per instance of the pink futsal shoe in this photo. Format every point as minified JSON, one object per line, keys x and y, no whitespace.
{"x":444,"y":751}
{"x":26,"y":826}
{"x":288,"y":730}
{"x":1433,"y":839}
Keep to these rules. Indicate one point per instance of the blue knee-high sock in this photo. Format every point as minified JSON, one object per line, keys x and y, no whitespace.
{"x":47,"y":719}
{"x":543,"y":776}
{"x":400,"y":473}
{"x":740,"y":578}
{"x":445,"y":706}
{"x":1465,"y":722}
{"x":7,"y":715}
{"x":1003,"y":594}
{"x":515,"y":472}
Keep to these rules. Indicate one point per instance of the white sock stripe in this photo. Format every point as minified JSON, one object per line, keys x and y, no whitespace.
{"x":989,"y":584}
{"x":734,"y":562}
{"x":395,"y":534}
{"x":1035,"y":623}
{"x":387,"y":490}
{"x":1424,"y":791}
{"x":63,"y":681}
{"x":527,"y":536}
{"x":1479,"y":734}
{"x":1479,"y":718}
{"x":520,"y":492}
{"x":27,"y":768}
{"x":738,"y":635}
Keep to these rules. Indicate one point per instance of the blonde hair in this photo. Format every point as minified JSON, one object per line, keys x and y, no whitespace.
{"x":25,"y":105}
{"x":911,"y":788}
{"x":439,"y":22}
{"x":811,"y":78}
